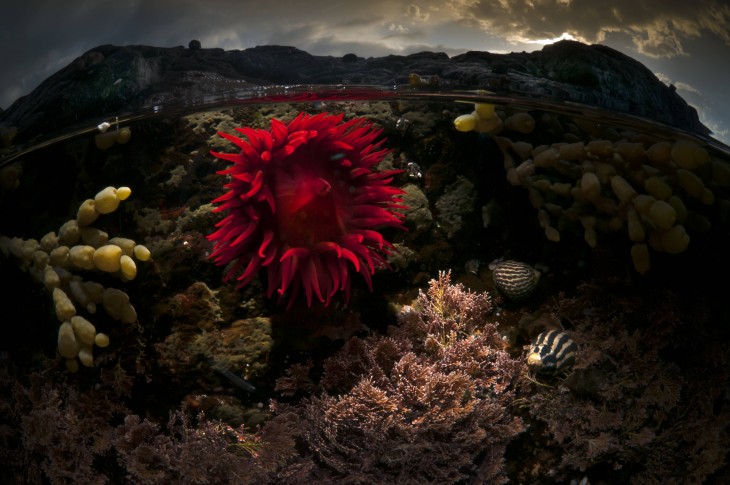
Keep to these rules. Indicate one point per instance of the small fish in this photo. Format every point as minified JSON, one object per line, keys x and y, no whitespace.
{"x":472,"y":266}
{"x":552,"y":353}
{"x":235,"y":379}
{"x":402,"y":124}
{"x":414,"y":170}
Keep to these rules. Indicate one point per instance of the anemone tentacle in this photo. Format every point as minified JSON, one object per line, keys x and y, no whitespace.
{"x":303,"y":203}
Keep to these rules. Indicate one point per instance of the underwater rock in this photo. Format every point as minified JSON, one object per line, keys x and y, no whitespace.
{"x":230,"y":355}
{"x":419,"y":216}
{"x":457,"y":201}
{"x":111,"y":78}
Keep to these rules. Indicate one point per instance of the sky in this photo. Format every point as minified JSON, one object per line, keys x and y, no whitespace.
{"x":685,"y":43}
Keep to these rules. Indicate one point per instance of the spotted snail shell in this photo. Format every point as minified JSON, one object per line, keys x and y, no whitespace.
{"x":515,"y":279}
{"x":552,"y":353}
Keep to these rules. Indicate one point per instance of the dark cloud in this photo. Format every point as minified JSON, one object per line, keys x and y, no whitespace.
{"x":657,"y":29}
{"x":39,"y":37}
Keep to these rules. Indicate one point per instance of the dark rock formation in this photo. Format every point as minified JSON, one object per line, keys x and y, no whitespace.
{"x":110,"y":79}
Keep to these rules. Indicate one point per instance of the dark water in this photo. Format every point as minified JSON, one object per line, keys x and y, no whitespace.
{"x":624,"y":220}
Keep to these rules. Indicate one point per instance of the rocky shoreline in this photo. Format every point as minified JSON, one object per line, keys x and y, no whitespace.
{"x":111,"y":79}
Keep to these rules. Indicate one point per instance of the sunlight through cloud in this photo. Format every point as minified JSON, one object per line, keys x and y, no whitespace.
{"x":563,"y":36}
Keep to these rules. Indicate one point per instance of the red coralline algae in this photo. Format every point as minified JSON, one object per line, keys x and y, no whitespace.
{"x":302,"y":202}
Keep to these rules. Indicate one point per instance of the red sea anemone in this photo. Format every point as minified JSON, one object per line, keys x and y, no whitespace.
{"x":302,"y":202}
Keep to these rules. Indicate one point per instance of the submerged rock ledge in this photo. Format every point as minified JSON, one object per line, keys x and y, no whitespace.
{"x":110,"y":79}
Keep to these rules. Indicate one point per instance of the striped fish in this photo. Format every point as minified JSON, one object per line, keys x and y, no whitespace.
{"x":552,"y":353}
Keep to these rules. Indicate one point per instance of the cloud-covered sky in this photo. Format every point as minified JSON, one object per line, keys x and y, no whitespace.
{"x":686,"y":43}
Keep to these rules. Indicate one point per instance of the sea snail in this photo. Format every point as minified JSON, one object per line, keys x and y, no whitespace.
{"x":552,"y":353}
{"x":515,"y":279}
